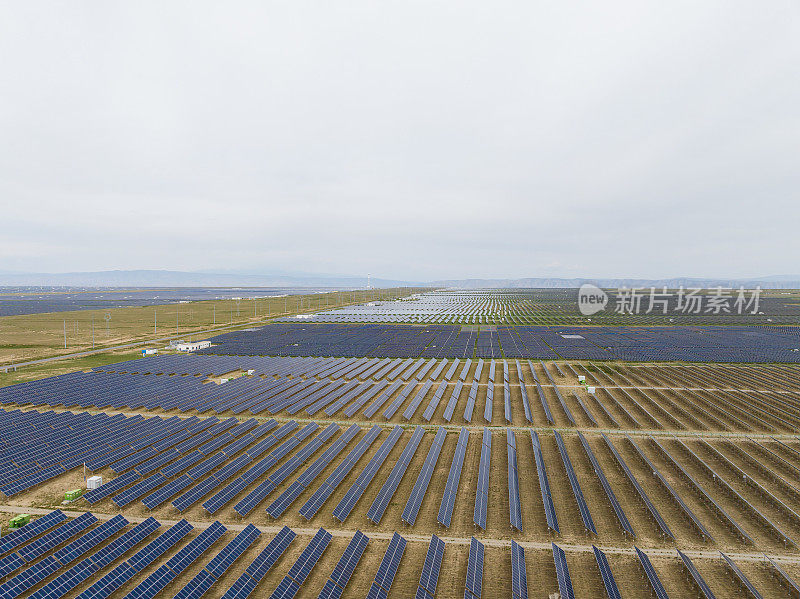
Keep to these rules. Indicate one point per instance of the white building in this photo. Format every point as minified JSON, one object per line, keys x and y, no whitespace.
{"x":192,"y":345}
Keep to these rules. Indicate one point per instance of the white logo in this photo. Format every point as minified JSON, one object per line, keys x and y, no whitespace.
{"x":591,"y":299}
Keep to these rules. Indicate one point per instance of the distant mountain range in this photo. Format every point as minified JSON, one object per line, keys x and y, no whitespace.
{"x":773,"y":282}
{"x":172,"y":278}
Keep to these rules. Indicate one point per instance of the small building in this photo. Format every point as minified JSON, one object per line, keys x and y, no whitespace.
{"x":192,"y":345}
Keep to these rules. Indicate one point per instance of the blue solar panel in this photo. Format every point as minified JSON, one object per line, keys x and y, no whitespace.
{"x":562,"y":573}
{"x":612,"y":498}
{"x":515,"y":507}
{"x":453,"y":401}
{"x":519,"y":573}
{"x":474,"y":582}
{"x":652,"y":576}
{"x":321,"y":495}
{"x":301,"y":569}
{"x":482,"y":492}
{"x":389,"y":565}
{"x":124,"y":543}
{"x":381,"y":502}
{"x":414,"y":502}
{"x":699,"y":580}
{"x":652,"y":508}
{"x":31,"y":530}
{"x":56,"y":537}
{"x":433,"y":563}
{"x":544,"y":483}
{"x":345,"y":567}
{"x":263,"y":563}
{"x":358,"y":488}
{"x":605,"y":573}
{"x":453,"y":479}
{"x":588,"y":523}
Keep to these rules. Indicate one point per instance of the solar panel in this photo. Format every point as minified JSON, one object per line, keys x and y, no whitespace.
{"x":434,"y":403}
{"x":31,"y":530}
{"x":588,"y":523}
{"x":285,"y":499}
{"x":124,"y":543}
{"x":784,"y":577}
{"x":672,"y":492}
{"x":56,"y":537}
{"x":232,"y":551}
{"x":453,"y":479}
{"x":381,"y":502}
{"x":186,"y":556}
{"x":474,"y":582}
{"x":358,"y":488}
{"x":741,"y":577}
{"x":519,"y":574}
{"x":433,"y":564}
{"x":612,"y":498}
{"x":115,"y":579}
{"x":652,"y":576}
{"x":523,"y":391}
{"x":651,"y":508}
{"x":310,"y":556}
{"x":453,"y":401}
{"x":321,"y":495}
{"x":343,"y":571}
{"x":562,"y":573}
{"x":698,"y":579}
{"x":470,"y":407}
{"x":515,"y":508}
{"x":544,"y":483}
{"x":263,"y":563}
{"x":482,"y":492}
{"x":605,"y":573}
{"x":414,"y":502}
{"x":388,"y":568}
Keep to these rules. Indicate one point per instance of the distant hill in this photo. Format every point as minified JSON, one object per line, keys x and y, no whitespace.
{"x":171,"y":278}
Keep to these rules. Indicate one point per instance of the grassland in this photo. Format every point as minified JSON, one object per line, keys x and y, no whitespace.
{"x":36,"y":336}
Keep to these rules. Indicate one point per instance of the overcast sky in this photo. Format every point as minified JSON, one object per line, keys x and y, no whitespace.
{"x":413,"y":140}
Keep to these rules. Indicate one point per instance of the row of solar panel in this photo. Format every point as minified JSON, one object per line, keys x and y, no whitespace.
{"x":72,"y":559}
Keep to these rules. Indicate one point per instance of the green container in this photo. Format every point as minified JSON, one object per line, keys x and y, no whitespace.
{"x":73,"y":495}
{"x":19,"y":521}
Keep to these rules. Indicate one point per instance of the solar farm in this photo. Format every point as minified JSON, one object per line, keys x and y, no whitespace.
{"x":466,"y":453}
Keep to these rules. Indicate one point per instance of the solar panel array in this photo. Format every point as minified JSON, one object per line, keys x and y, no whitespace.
{"x":388,"y":568}
{"x":482,"y":492}
{"x":514,"y":504}
{"x":544,"y":483}
{"x":414,"y":502}
{"x":474,"y":582}
{"x":588,"y":523}
{"x":453,"y":479}
{"x":381,"y":502}
{"x":337,"y":582}
{"x":429,"y":577}
{"x":360,"y":485}
{"x":519,"y":572}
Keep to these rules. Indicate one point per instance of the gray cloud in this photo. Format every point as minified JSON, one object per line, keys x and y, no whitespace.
{"x":407,"y":139}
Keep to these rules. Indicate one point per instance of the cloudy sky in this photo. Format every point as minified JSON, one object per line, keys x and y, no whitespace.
{"x":404,"y":139}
